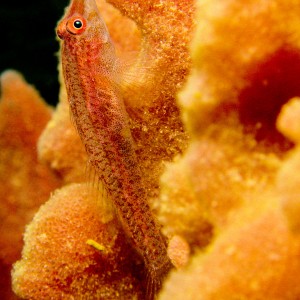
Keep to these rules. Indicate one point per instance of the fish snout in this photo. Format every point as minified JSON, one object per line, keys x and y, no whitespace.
{"x":61,"y":30}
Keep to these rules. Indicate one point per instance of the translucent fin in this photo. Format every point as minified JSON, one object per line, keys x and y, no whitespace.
{"x":92,"y":178}
{"x":155,"y":279}
{"x":152,"y":288}
{"x":98,"y":191}
{"x":135,"y":73}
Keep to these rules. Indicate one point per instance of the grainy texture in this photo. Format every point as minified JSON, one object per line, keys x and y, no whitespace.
{"x":149,"y":89}
{"x":92,"y":74}
{"x":59,"y":145}
{"x":241,"y":170}
{"x":23,"y":116}
{"x":63,"y":265}
{"x":239,"y":176}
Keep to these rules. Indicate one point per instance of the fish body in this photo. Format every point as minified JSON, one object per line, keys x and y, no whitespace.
{"x":91,"y":71}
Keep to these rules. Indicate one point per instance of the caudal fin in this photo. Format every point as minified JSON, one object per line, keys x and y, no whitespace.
{"x":155,"y":279}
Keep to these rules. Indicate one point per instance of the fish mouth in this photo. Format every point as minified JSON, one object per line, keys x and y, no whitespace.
{"x":59,"y":34}
{"x":60,"y":30}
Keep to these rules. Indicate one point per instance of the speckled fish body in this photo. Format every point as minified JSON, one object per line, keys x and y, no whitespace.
{"x":92,"y":74}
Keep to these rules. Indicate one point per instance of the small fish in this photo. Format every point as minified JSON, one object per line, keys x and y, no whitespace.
{"x":92,"y":76}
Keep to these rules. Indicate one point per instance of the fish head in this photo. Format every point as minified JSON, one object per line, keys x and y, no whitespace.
{"x":82,"y":20}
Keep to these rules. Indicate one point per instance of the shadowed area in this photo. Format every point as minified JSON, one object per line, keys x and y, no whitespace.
{"x":272,"y":84}
{"x":29,"y":42}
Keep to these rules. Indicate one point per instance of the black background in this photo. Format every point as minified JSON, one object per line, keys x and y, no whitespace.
{"x":28,"y":42}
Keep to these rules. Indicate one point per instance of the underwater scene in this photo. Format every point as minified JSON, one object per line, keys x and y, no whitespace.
{"x":167,"y":167}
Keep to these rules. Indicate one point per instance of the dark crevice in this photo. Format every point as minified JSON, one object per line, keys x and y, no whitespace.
{"x":272,"y":84}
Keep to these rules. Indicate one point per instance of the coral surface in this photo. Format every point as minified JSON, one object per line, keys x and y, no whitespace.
{"x":57,"y":262}
{"x":161,"y":68}
{"x":222,"y":174}
{"x":150,"y":86}
{"x":24,"y":182}
{"x":240,"y":170}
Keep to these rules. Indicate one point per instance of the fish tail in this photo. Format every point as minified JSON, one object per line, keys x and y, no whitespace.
{"x":155,"y":278}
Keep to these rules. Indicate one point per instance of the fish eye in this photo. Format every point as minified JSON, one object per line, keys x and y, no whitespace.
{"x":76,"y":25}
